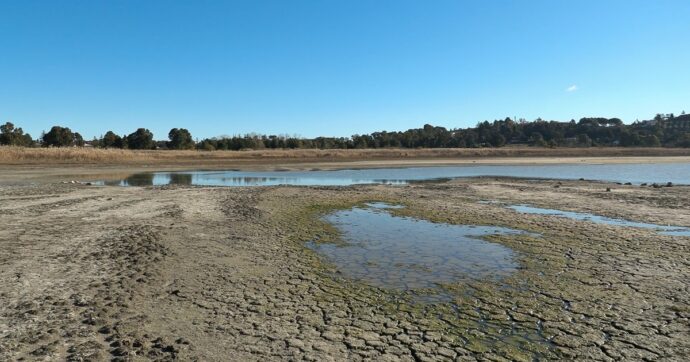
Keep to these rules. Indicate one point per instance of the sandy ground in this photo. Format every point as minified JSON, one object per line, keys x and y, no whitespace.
{"x":216,"y":274}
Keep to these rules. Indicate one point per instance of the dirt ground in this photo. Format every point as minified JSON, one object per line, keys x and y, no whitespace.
{"x":217,"y":274}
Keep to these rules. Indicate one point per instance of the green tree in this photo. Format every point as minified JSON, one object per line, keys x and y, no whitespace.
{"x":141,"y":139}
{"x":180,"y":139}
{"x":652,"y":141}
{"x":111,"y":140}
{"x":206,"y":145}
{"x":58,"y":137}
{"x":78,"y":140}
{"x":584,"y":140}
{"x":12,"y":136}
{"x":536,"y":139}
{"x":498,"y":140}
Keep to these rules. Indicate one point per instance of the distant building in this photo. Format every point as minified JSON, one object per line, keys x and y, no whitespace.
{"x":670,"y":122}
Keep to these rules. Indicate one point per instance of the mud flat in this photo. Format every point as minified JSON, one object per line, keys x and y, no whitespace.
{"x":203,"y":273}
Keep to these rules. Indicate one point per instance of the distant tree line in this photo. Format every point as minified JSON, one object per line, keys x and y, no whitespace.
{"x":57,"y":136}
{"x":586,"y":132}
{"x":664,"y":130}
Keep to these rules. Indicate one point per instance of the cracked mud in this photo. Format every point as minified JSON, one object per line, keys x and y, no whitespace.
{"x":192,"y":273}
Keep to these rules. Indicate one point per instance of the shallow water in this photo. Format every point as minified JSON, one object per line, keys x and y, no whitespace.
{"x":663,"y":229}
{"x":677,"y":173}
{"x":406,"y":253}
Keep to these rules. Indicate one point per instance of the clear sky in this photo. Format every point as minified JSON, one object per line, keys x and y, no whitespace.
{"x":336,"y":68}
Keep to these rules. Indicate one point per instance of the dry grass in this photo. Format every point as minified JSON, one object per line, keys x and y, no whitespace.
{"x":88,"y":156}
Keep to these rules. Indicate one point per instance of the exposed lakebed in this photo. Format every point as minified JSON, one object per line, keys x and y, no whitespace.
{"x":676,"y":173}
{"x":405,"y":253}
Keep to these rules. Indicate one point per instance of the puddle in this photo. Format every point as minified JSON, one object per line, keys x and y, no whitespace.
{"x":665,"y":230}
{"x":405,"y":253}
{"x":677,"y":173}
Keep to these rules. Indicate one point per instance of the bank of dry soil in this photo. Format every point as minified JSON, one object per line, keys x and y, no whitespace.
{"x":191,"y":273}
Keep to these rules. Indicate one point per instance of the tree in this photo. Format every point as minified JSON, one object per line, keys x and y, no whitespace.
{"x":180,"y":139}
{"x":141,"y":139}
{"x":9,"y":135}
{"x":111,"y":140}
{"x":584,"y":140}
{"x":536,"y":139}
{"x":498,"y":140}
{"x":78,"y":140}
{"x":206,"y":145}
{"x":58,"y":137}
{"x":652,"y":141}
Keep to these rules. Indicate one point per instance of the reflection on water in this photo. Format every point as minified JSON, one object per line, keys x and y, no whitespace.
{"x":677,"y":173}
{"x":405,"y":253}
{"x":180,"y":179}
{"x":666,"y":230}
{"x":142,"y":179}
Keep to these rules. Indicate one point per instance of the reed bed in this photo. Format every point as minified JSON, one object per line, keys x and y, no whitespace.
{"x":73,"y":155}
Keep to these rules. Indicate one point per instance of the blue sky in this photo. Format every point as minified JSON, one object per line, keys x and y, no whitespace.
{"x":336,"y":68}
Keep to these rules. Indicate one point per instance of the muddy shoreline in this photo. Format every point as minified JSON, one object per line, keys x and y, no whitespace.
{"x":202,"y":273}
{"x":50,"y":172}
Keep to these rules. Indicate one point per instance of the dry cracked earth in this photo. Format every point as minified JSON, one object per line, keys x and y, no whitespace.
{"x":189,"y":273}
